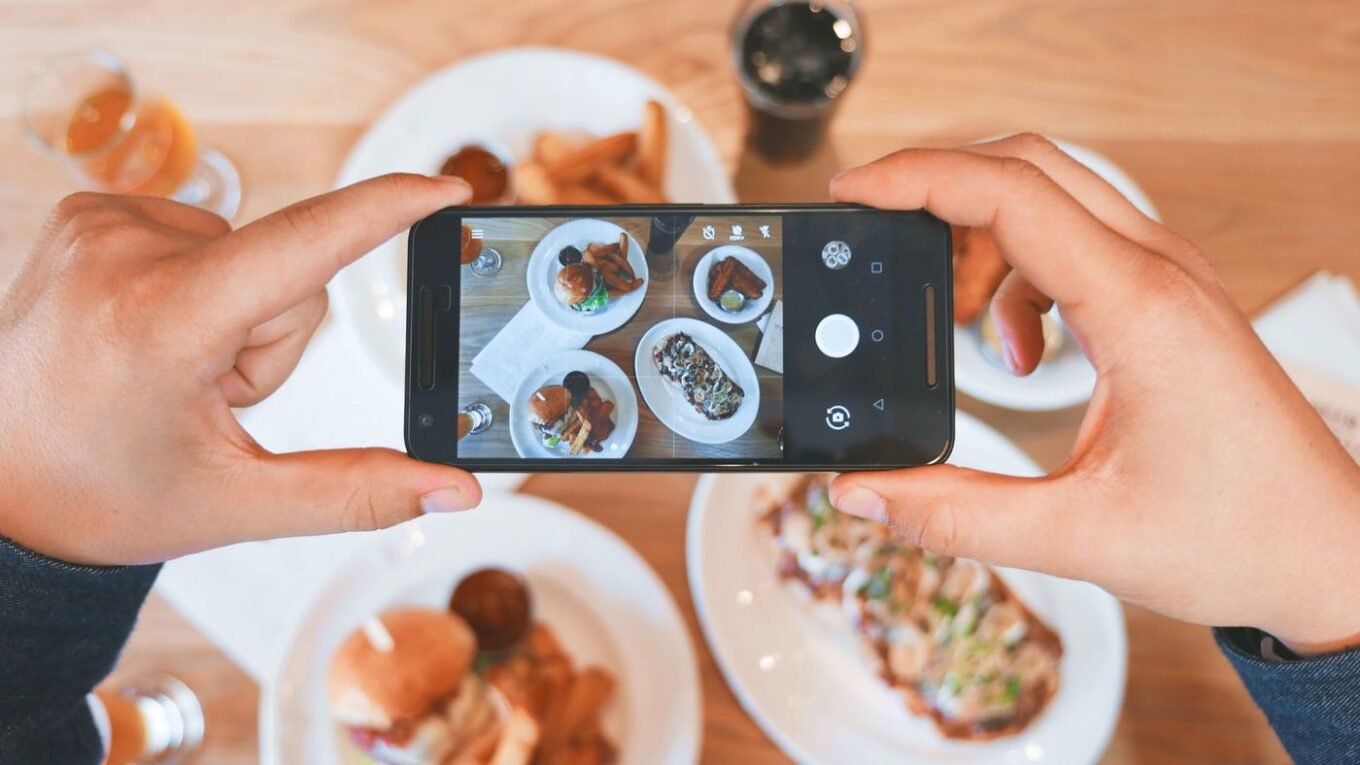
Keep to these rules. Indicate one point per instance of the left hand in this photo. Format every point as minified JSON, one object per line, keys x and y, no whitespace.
{"x":132,"y":329}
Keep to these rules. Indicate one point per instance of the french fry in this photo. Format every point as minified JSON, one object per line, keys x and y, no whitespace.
{"x":632,"y":189}
{"x":652,"y":140}
{"x":580,"y":443}
{"x":518,"y":740}
{"x":588,"y":692}
{"x":551,"y":147}
{"x":583,"y":162}
{"x":534,"y":185}
{"x":584,"y":195}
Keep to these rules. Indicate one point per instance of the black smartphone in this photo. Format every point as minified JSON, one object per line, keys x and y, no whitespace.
{"x":679,"y":337}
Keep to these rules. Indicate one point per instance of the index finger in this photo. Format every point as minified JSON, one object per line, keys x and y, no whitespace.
{"x":1042,"y":230}
{"x":282,"y":259}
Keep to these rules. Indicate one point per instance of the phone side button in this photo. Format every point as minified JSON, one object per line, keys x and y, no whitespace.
{"x":425,"y":341}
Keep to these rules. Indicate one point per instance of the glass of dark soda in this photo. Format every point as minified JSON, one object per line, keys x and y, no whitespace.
{"x":794,"y":59}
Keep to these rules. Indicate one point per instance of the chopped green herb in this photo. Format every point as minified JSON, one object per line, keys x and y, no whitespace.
{"x":878,"y":586}
{"x":1012,"y":689}
{"x":553,"y":440}
{"x":952,"y":683}
{"x":945,"y":606}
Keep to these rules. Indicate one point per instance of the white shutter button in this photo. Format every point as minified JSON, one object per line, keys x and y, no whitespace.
{"x":837,"y":335}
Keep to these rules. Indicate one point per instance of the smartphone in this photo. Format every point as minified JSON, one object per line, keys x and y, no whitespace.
{"x":679,"y":337}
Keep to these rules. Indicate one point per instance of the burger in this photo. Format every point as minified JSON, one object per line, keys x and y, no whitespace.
{"x":415,"y":700}
{"x":550,"y":412}
{"x":581,"y":288}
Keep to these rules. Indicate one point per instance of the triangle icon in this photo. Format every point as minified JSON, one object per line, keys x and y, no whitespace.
{"x":879,"y":405}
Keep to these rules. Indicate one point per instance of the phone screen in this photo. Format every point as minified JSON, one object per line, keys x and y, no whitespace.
{"x":696,"y":337}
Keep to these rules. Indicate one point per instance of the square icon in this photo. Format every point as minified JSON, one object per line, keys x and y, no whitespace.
{"x":876,"y":267}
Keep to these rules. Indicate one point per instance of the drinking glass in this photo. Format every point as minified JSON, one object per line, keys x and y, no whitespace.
{"x":474,"y":419}
{"x":84,"y":110}
{"x":794,"y":60}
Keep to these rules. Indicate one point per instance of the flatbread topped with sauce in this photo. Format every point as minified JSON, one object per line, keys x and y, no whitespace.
{"x":949,"y":635}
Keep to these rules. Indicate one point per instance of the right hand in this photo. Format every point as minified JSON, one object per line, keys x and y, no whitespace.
{"x":1201,"y":483}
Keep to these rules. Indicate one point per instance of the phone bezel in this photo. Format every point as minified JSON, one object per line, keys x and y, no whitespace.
{"x":450,"y":320}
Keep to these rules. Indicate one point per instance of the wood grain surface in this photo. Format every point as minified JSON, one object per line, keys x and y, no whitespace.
{"x":1240,"y":118}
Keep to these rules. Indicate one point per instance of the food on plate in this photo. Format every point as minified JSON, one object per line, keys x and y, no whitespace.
{"x":581,"y":288}
{"x":472,"y":246}
{"x":495,"y":604}
{"x":589,"y":279}
{"x":569,"y":255}
{"x":580,"y":419}
{"x":623,"y":168}
{"x":711,"y":391}
{"x":731,"y":301}
{"x":729,"y":273}
{"x":577,"y":384}
{"x":414,"y":700}
{"x":978,"y":271}
{"x":611,"y":260}
{"x":947,"y":632}
{"x":651,"y":160}
{"x":483,"y":170}
{"x":418,"y":686}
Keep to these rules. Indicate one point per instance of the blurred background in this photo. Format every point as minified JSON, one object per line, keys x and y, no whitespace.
{"x":1238,"y":119}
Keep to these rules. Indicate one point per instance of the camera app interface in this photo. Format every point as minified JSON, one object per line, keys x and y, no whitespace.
{"x":623,"y":337}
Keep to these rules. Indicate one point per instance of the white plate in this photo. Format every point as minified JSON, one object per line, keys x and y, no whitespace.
{"x":804,"y":682}
{"x":667,"y":402}
{"x":749,"y":258}
{"x":604,"y":602}
{"x":541,"y":275}
{"x":1063,"y":381}
{"x":502,"y":98}
{"x":612,"y":385}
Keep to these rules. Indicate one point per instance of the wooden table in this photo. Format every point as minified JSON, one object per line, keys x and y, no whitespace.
{"x":1240,"y":118}
{"x":489,"y":303}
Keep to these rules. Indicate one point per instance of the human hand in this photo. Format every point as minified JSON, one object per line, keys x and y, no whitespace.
{"x":132,"y":329}
{"x":1201,"y":484}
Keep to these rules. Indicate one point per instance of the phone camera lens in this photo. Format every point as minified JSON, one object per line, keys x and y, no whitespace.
{"x":425,"y":421}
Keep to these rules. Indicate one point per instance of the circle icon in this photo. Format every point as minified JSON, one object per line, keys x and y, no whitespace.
{"x":837,"y":335}
{"x":876,"y":336}
{"x":836,"y":255}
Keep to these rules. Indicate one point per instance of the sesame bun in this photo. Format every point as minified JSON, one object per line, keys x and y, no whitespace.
{"x":432,"y":651}
{"x":574,"y":283}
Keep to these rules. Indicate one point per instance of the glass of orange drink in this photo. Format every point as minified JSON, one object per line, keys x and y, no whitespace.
{"x":84,"y":110}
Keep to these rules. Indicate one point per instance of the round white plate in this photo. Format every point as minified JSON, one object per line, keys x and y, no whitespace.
{"x":604,"y":602}
{"x":502,"y":98}
{"x":667,"y":402}
{"x":612,"y":385}
{"x":749,"y":258}
{"x":802,"y":677}
{"x":541,"y":275}
{"x":1060,"y":382}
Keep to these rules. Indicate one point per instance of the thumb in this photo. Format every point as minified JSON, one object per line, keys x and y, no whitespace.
{"x":325,"y":492}
{"x":948,"y":510}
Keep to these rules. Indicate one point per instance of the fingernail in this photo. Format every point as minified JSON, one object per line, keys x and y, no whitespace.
{"x":1012,"y":363}
{"x":450,"y":499}
{"x":862,"y":502}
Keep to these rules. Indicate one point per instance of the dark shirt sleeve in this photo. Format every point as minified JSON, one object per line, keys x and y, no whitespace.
{"x":1312,"y":703}
{"x":61,"y":628}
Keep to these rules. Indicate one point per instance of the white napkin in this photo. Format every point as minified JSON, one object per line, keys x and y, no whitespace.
{"x":248,"y":598}
{"x":1314,"y":331}
{"x":524,"y":341}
